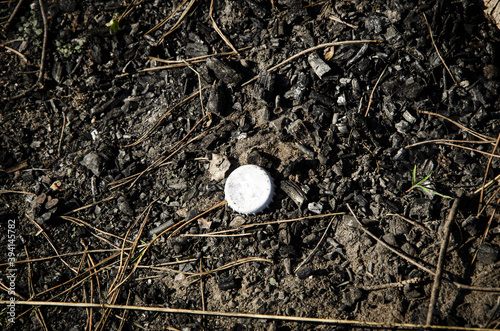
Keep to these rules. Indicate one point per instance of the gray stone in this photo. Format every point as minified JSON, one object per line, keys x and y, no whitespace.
{"x":92,"y":162}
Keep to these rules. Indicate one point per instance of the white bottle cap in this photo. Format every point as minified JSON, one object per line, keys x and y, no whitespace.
{"x":249,"y":189}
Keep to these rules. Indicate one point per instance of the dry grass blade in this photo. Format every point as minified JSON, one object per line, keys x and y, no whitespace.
{"x":90,"y":205}
{"x":160,"y":120}
{"x":62,"y":134}
{"x":466,"y":129}
{"x":315,"y":248}
{"x":338,"y":20}
{"x":487,"y":229}
{"x":420,"y":226}
{"x":120,"y":276}
{"x":165,"y":20}
{"x":289,"y":220}
{"x":42,"y":231}
{"x":129,"y":9}
{"x":437,"y":51}
{"x":487,"y":170}
{"x":373,"y":90}
{"x":80,"y":222}
{"x":160,"y":162}
{"x":219,"y":32}
{"x":330,"y":321}
{"x":231,"y":265}
{"x":419,"y":265}
{"x":197,"y":59}
{"x":444,"y":142}
{"x":16,"y":192}
{"x":184,"y":224}
{"x":41,"y":70}
{"x":61,"y":255}
{"x":312,"y":49}
{"x":440,"y":263}
{"x":179,"y":21}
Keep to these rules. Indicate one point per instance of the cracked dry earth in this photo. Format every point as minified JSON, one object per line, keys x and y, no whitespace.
{"x":108,"y":158}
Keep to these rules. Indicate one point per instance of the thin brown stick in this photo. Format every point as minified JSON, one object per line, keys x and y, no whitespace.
{"x":165,"y":20}
{"x":290,"y":220}
{"x":338,"y":20}
{"x":17,"y":192}
{"x":442,"y":253}
{"x":40,"y":259}
{"x":245,"y":315}
{"x":14,"y":12}
{"x":39,"y":81}
{"x":483,"y":237}
{"x":486,"y":172}
{"x":179,"y":21}
{"x":41,"y":230}
{"x":231,"y":265}
{"x":158,"y":122}
{"x":437,"y":51}
{"x":90,"y":205}
{"x":196,"y":59}
{"x":373,"y":90}
{"x":220,"y":204}
{"x":420,"y":226}
{"x":61,"y":137}
{"x":24,"y":60}
{"x":389,"y":285}
{"x":39,"y":315}
{"x":440,"y":142}
{"x":489,"y":184}
{"x":315,"y":248}
{"x":219,"y":32}
{"x":463,"y":127}
{"x":312,"y":49}
{"x":419,"y":265}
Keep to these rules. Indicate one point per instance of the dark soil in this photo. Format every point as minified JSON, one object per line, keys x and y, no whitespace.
{"x":64,"y":137}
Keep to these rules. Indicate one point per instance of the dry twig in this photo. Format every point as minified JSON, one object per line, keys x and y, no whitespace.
{"x":442,"y":253}
{"x":437,"y":51}
{"x":330,"y":321}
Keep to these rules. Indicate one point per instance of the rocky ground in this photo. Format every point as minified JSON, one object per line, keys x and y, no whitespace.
{"x":116,"y":133}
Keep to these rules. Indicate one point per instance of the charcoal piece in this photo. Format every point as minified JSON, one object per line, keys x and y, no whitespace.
{"x":319,"y":66}
{"x":294,"y":192}
{"x":227,"y":283}
{"x":299,"y":89}
{"x":300,"y":132}
{"x":321,"y":98}
{"x":257,"y":9}
{"x":471,"y":225}
{"x":264,"y":86}
{"x":216,"y":100}
{"x":92,"y":161}
{"x":352,"y":296}
{"x":260,"y":158}
{"x":304,"y":272}
{"x":124,"y":206}
{"x":224,"y":72}
{"x":488,"y":253}
{"x":287,"y":251}
{"x":358,"y":55}
{"x":51,"y":203}
{"x":196,"y":49}
{"x":412,"y":292}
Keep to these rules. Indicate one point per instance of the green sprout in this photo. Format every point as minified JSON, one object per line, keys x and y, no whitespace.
{"x":424,"y":184}
{"x":114,"y":24}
